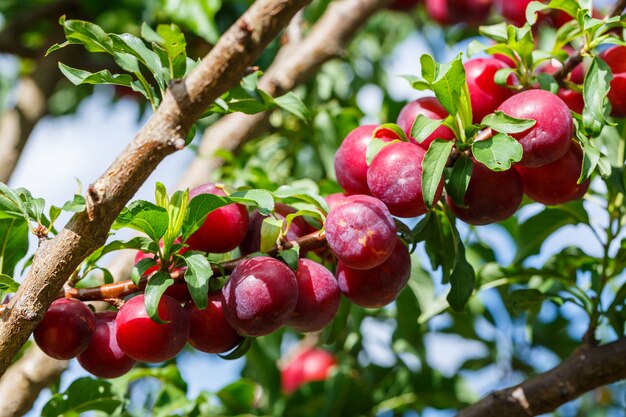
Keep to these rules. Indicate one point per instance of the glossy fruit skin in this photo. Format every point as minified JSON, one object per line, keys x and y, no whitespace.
{"x":379,"y":286}
{"x":490,"y":197}
{"x":103,"y":357}
{"x":446,"y":12}
{"x":224,"y":228}
{"x":556,"y":183}
{"x":208,"y":329}
{"x":252,"y":241}
{"x":615,"y":57}
{"x":513,"y":11}
{"x":66,"y":329}
{"x":361,"y":232}
{"x":350,"y":161}
{"x":395,"y":178}
{"x":318,"y":297}
{"x":550,"y":137}
{"x":333,"y":199}
{"x":260,"y":296}
{"x":145,"y":340}
{"x":429,"y":107}
{"x":310,"y":365}
{"x":485,"y":94}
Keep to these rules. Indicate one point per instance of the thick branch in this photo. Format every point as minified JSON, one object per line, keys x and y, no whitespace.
{"x":587,"y":368}
{"x":32,"y":373}
{"x":295,"y":64}
{"x":55,"y":260}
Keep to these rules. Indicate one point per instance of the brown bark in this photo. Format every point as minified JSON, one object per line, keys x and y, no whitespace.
{"x":589,"y":367}
{"x":165,"y":132}
{"x":295,"y":64}
{"x":31,"y":373}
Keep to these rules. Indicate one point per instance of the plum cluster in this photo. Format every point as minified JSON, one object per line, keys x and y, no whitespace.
{"x":548,"y":171}
{"x":261,"y":295}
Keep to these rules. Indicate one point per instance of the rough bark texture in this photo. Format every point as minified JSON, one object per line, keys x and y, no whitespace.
{"x":164,"y":133}
{"x":32,"y":373}
{"x":587,"y":368}
{"x":295,"y":64}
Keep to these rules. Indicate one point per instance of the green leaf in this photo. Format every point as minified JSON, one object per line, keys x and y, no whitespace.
{"x":11,"y":204}
{"x":140,"y":268}
{"x":390,"y":131}
{"x":441,"y":246}
{"x":76,"y":205}
{"x":423,"y":127}
{"x":239,"y":396}
{"x":160,"y":195}
{"x":141,"y":243}
{"x":13,"y":243}
{"x":373,"y":147}
{"x":177,"y":211}
{"x":270,"y":231}
{"x":527,"y":299}
{"x":197,"y":276}
{"x":498,"y":152}
{"x":262,"y":199}
{"x":291,"y":256}
{"x":240,"y":350}
{"x":308,"y":195}
{"x":83,"y":395}
{"x":157,"y":284}
{"x":198,"y":16}
{"x":539,"y":227}
{"x":144,"y":216}
{"x":173,"y":40}
{"x":432,"y":168}
{"x":292,"y":103}
{"x":593,"y":158}
{"x":502,"y":122}
{"x":77,"y":76}
{"x":462,"y":280}
{"x":459,"y":179}
{"x":446,"y":80}
{"x":595,"y":89}
{"x":7,"y":284}
{"x":88,"y":34}
{"x":197,"y":210}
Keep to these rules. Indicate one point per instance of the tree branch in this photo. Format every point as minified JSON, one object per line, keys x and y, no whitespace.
{"x":32,"y":373}
{"x":295,"y":64}
{"x":185,"y":100}
{"x":577,"y":58}
{"x":587,"y":368}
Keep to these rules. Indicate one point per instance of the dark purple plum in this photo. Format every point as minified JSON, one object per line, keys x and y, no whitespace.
{"x":557,"y":182}
{"x":378,"y":286}
{"x":318,"y":297}
{"x":260,"y":296}
{"x":66,"y":329}
{"x":209,"y":331}
{"x":103,"y":357}
{"x":395,"y":178}
{"x":490,"y":197}
{"x":361,"y":232}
